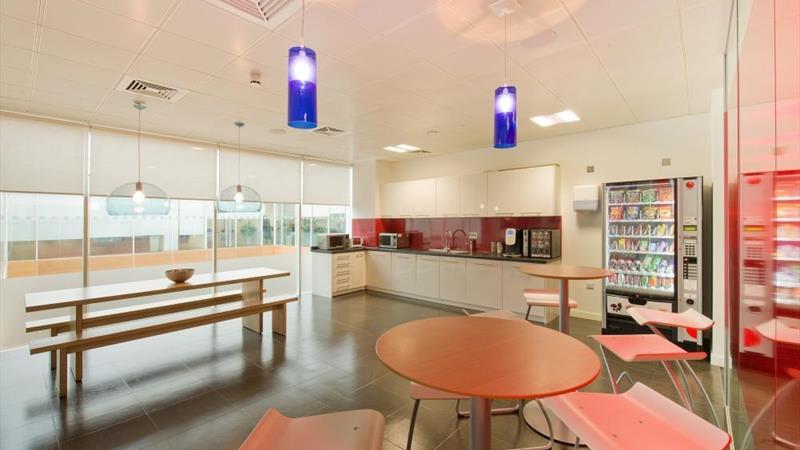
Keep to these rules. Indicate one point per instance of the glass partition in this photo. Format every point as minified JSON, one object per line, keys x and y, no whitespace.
{"x":763,"y":223}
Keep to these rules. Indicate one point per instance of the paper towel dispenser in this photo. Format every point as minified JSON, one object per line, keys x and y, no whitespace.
{"x":586,"y":198}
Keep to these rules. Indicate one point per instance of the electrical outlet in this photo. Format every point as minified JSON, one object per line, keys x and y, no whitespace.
{"x":666,"y":162}
{"x":590,"y":285}
{"x":589,"y":169}
{"x":473,"y":235}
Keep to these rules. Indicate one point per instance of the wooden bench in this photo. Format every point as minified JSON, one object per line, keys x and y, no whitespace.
{"x":83,"y":331}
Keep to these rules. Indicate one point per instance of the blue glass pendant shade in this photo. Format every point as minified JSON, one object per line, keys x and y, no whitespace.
{"x":505,"y":117}
{"x":302,"y":88}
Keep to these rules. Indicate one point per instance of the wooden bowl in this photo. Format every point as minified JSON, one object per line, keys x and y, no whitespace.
{"x":179,"y":275}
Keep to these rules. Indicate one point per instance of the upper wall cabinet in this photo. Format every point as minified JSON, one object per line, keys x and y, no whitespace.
{"x":524,"y":192}
{"x":448,"y":196}
{"x":396,"y":200}
{"x":423,"y":195}
{"x":473,"y":195}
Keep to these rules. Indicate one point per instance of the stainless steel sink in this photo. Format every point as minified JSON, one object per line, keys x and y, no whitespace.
{"x":448,"y":250}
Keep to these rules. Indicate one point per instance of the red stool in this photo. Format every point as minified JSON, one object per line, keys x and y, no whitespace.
{"x":548,"y":298}
{"x":641,"y":418}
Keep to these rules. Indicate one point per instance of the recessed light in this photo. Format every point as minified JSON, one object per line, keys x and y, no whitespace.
{"x":395,"y":149}
{"x":194,"y":147}
{"x":565,"y":116}
{"x":404,"y":148}
{"x":278,"y":131}
{"x":432,"y":133}
{"x":408,"y":148}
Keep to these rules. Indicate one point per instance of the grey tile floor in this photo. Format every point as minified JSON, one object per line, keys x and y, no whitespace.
{"x":206,"y":388}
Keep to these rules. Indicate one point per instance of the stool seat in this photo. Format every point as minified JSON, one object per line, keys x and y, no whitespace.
{"x":639,"y":418}
{"x":689,"y":319}
{"x":420,"y":392}
{"x":645,"y":347}
{"x":545,"y":297}
{"x":350,"y":430}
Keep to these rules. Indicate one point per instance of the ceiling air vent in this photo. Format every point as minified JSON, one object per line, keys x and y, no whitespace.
{"x":329,"y":131}
{"x":151,"y":89}
{"x":269,"y":13}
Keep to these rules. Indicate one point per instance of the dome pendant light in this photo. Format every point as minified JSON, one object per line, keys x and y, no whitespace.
{"x":302,"y":110}
{"x":505,"y":106}
{"x":239,"y":198}
{"x":138,"y":198}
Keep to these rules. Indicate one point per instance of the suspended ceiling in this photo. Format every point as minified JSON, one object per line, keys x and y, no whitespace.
{"x":389,"y":70}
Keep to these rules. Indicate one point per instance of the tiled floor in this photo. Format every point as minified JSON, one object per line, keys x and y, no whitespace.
{"x":205,"y":388}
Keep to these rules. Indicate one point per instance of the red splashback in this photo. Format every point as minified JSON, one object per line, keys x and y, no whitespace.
{"x":429,"y":232}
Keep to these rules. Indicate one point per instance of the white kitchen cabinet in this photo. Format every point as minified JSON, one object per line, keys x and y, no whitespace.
{"x":448,"y":196}
{"x":472,"y":195}
{"x":428,"y":276}
{"x":337,"y":273}
{"x":397,"y":199}
{"x":485,"y":283}
{"x":503,"y":193}
{"x":404,"y":272}
{"x":423,"y":195}
{"x":515,"y":283}
{"x":379,"y":269}
{"x":358,"y":277}
{"x":538,"y":191}
{"x":452,"y":279}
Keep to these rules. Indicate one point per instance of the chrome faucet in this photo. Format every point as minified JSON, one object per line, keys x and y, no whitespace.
{"x":453,"y":236}
{"x":448,"y":237}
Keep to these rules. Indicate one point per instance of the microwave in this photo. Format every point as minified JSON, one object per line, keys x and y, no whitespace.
{"x":333,"y":241}
{"x":393,"y":240}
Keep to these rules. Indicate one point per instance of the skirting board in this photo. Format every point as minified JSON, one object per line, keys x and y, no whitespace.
{"x":586,"y":315}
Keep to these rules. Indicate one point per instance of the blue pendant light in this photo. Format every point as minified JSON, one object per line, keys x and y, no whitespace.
{"x":302,"y":109}
{"x":505,"y":107}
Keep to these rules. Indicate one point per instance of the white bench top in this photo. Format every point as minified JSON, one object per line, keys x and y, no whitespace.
{"x":39,"y":301}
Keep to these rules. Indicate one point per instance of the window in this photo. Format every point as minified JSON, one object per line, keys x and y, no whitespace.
{"x":322,"y":219}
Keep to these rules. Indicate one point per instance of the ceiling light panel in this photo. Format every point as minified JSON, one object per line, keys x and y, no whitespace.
{"x":565,"y":116}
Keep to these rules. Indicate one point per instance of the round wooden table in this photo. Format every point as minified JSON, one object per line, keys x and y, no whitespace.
{"x":485,"y":358}
{"x":533,"y":415}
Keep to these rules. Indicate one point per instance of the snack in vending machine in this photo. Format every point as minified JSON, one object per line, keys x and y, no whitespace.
{"x":632,"y":212}
{"x":648,"y":230}
{"x":671,"y":230}
{"x":629,"y":230}
{"x":665,"y":195}
{"x":615,"y":212}
{"x":662,"y":266}
{"x":649,"y":213}
{"x":665,"y":212}
{"x":639,"y":230}
{"x":633,"y":196}
{"x":649,"y":196}
{"x":661,"y":229}
{"x":671,"y":268}
{"x":653,"y":246}
{"x":643,"y":245}
{"x":615,"y":196}
{"x":653,"y":282}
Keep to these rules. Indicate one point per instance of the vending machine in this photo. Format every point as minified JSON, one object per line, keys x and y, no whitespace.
{"x":653,"y":242}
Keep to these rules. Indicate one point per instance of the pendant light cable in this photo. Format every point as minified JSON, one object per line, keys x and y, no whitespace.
{"x":303,"y":25}
{"x":505,"y":48}
{"x":139,"y":107}
{"x":239,"y":126}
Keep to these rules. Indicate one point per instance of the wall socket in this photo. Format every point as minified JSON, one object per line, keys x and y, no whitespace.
{"x":473,"y":235}
{"x":590,"y":285}
{"x":666,"y":162}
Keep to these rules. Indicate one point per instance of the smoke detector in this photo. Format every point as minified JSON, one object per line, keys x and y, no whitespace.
{"x":502,"y":8}
{"x":255,"y":80}
{"x":151,"y":89}
{"x":268,"y":13}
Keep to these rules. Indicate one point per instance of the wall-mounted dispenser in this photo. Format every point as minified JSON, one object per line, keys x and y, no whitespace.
{"x":586,"y":198}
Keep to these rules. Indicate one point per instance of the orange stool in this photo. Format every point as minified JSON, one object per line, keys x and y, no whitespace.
{"x":548,"y":298}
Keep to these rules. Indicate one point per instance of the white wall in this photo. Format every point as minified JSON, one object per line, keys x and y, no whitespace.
{"x":617,"y":154}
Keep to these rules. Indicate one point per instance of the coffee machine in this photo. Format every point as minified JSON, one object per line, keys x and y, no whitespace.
{"x":514,"y":243}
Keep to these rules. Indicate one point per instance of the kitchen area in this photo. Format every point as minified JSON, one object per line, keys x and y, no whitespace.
{"x":459,"y":241}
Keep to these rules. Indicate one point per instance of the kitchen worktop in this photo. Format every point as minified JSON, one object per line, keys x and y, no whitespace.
{"x":475,"y":255}
{"x":338,"y":250}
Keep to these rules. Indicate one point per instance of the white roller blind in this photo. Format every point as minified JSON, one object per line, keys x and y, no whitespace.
{"x":275,"y":178}
{"x":181,"y":169}
{"x":326,"y":184}
{"x":41,"y":156}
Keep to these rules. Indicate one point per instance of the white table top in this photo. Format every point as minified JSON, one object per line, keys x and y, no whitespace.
{"x":39,"y":301}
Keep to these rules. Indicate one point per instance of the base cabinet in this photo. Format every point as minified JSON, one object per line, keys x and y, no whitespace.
{"x":379,"y":269}
{"x":404,"y":272}
{"x":337,"y":273}
{"x":428,"y":276}
{"x":485,"y":283}
{"x":515,"y":283}
{"x":452,"y":279}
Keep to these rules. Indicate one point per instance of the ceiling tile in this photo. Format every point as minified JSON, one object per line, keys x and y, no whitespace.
{"x":638,"y":41}
{"x":707,"y":22}
{"x":242,"y":94}
{"x":67,"y":101}
{"x":423,"y":77}
{"x":17,"y":77}
{"x":597,"y":17}
{"x":327,"y":31}
{"x":17,"y":33}
{"x":15,"y":92}
{"x":187,"y":53}
{"x":565,"y":66}
{"x":161,"y":72}
{"x":200,"y":21}
{"x":379,"y":16}
{"x":74,"y":48}
{"x":241,"y":71}
{"x":57,"y":85}
{"x":57,"y":106}
{"x":379,"y":59}
{"x":443,"y":30}
{"x":650,"y":75}
{"x":13,"y":104}
{"x":78,"y":72}
{"x":96,"y":24}
{"x":147,"y":11}
{"x":20,"y":9}
{"x":15,"y":57}
{"x":272,"y":50}
{"x":472,"y":61}
{"x":662,"y":106}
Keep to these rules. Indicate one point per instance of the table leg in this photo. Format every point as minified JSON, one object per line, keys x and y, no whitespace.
{"x":563,"y":305}
{"x":537,"y":421}
{"x":480,"y":424}
{"x":252,"y":295}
